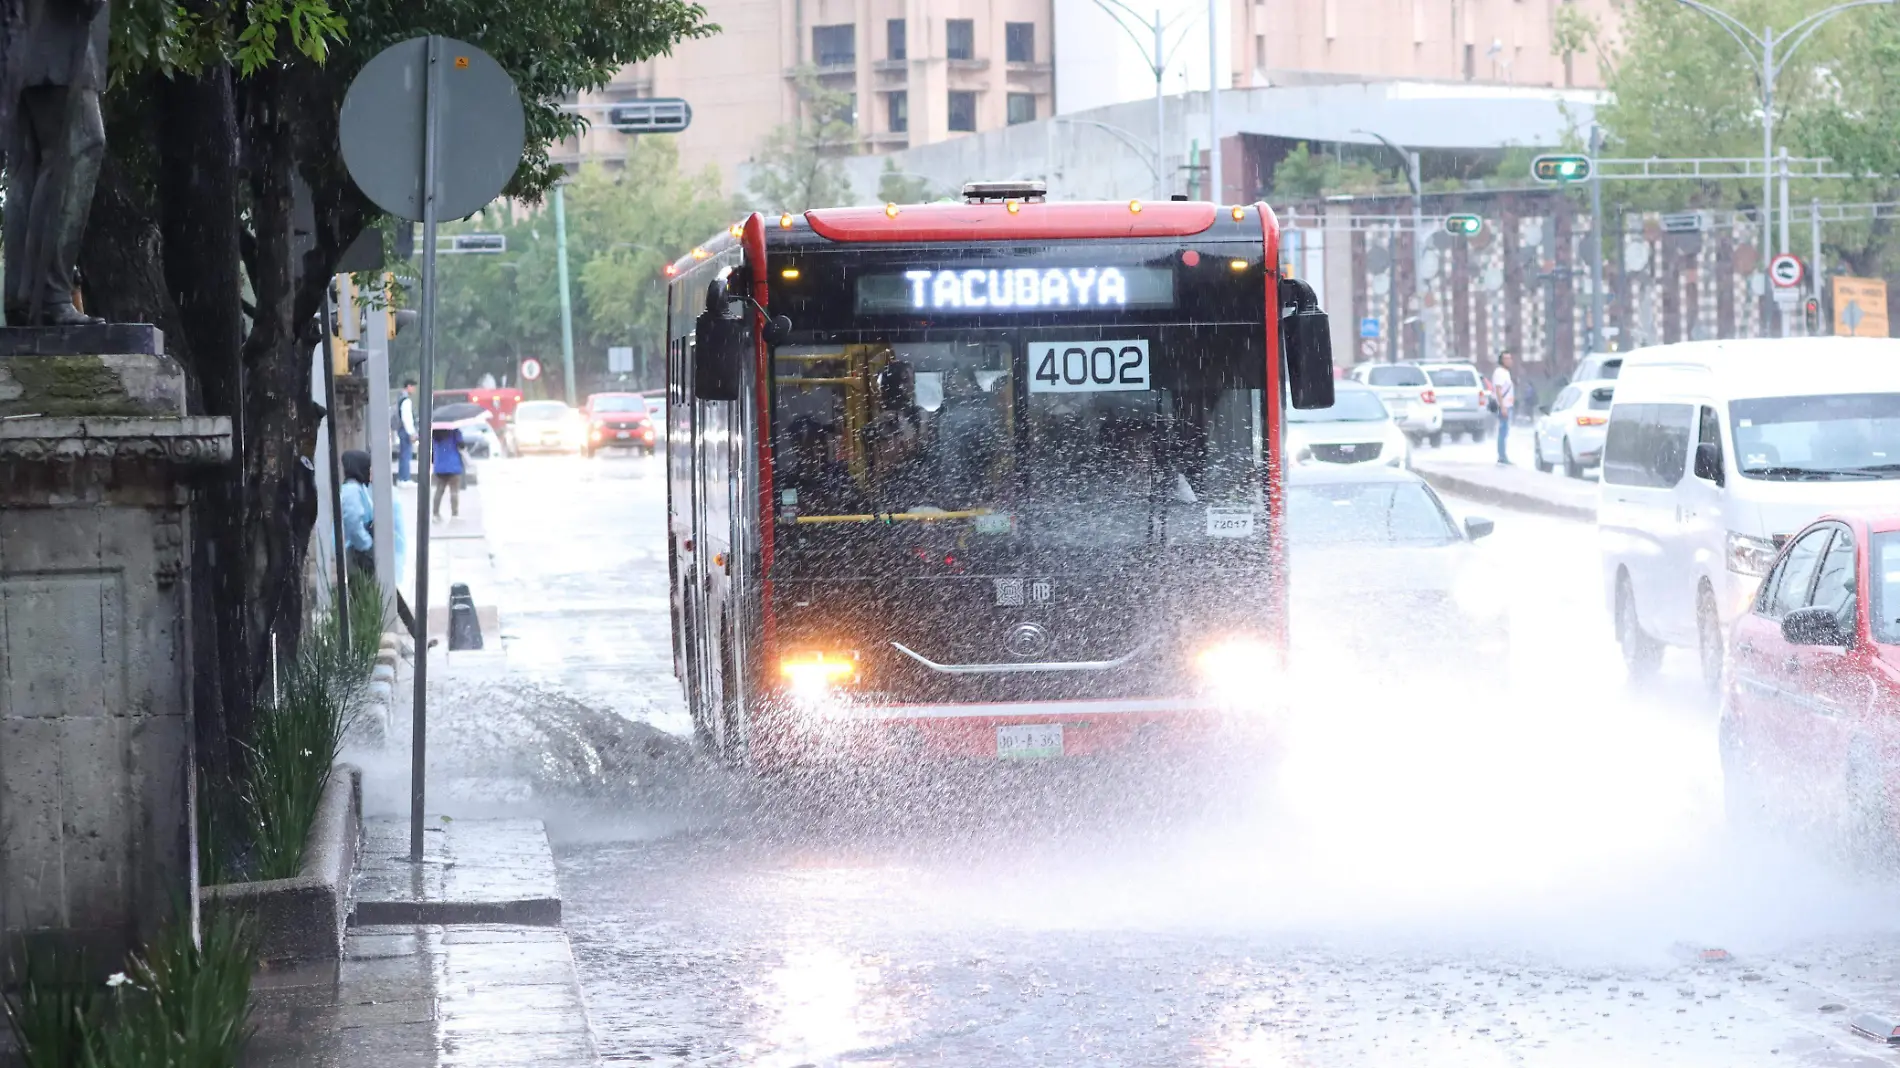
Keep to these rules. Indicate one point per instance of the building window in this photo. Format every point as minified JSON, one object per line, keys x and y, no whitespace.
{"x":1019,"y":41}
{"x":1022,"y":108}
{"x":834,"y":46}
{"x":960,"y":37}
{"x":962,"y":112}
{"x":897,"y":110}
{"x":894,"y":39}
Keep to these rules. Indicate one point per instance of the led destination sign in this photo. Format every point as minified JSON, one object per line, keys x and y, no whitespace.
{"x":974,"y":290}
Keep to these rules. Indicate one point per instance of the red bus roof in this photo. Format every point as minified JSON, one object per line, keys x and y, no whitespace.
{"x":1029,"y":219}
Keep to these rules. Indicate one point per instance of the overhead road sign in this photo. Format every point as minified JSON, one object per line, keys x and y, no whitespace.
{"x":473,"y":244}
{"x":658,"y":115}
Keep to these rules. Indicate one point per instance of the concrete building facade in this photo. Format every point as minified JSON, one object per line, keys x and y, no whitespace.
{"x":1495,"y":42}
{"x":913,"y":72}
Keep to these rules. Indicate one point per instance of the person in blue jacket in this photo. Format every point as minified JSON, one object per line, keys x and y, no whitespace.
{"x":446,"y":466}
{"x":359,"y":512}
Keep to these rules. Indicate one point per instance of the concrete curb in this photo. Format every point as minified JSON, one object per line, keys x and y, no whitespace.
{"x":498,"y":871}
{"x":303,"y":918}
{"x":1504,"y":498}
{"x":528,"y":912}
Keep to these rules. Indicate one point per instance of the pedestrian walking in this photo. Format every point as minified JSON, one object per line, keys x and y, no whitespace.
{"x":1503,"y":400}
{"x":406,"y":430}
{"x":359,"y":513}
{"x":446,"y":460}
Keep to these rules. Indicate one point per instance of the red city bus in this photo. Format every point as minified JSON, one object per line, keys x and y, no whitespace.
{"x":992,"y":479}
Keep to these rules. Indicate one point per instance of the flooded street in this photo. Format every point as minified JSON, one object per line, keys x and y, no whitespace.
{"x":1467,"y":864}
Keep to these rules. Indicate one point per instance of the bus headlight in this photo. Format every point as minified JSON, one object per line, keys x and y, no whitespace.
{"x":1239,"y":667}
{"x":812,"y":675}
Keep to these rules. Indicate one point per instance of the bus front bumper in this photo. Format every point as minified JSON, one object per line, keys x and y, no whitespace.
{"x":800,"y":732}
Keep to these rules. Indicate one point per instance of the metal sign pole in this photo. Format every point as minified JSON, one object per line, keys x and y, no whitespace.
{"x":419,"y":732}
{"x":342,"y":607}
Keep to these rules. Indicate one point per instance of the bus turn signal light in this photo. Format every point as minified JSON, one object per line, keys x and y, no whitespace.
{"x":790,"y":274}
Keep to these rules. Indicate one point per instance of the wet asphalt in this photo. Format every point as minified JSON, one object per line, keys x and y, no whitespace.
{"x":1518,"y":863}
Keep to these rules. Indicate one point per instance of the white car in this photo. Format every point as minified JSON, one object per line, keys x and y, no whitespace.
{"x":1355,"y":430}
{"x":1461,"y":395}
{"x":1408,"y":395}
{"x":1570,"y":429}
{"x":548,"y":426}
{"x":1717,"y":452}
{"x":1379,"y":567}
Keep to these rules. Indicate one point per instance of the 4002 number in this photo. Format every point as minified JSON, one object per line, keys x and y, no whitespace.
{"x":1085,"y":366}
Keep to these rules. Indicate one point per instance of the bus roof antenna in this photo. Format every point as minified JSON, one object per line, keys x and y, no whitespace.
{"x":982,"y":192}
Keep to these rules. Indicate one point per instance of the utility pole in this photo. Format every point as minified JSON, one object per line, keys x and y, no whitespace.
{"x":1596,"y":241}
{"x":567,"y":304}
{"x":1814,"y":259}
{"x":1214,"y":79}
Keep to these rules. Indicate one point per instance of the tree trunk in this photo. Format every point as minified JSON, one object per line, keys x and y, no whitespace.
{"x":280,"y":503}
{"x":197,"y":184}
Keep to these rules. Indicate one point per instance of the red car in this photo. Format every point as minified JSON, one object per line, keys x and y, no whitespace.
{"x":618,"y":421}
{"x":1810,"y":724}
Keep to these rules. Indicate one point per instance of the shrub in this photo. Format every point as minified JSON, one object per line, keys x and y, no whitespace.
{"x":177,"y":1005}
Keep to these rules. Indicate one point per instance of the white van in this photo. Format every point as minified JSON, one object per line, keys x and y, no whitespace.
{"x":1716,"y":452}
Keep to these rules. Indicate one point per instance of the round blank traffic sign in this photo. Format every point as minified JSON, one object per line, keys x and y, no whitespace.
{"x":480,"y":129}
{"x":530,"y":369}
{"x":1785,"y":271}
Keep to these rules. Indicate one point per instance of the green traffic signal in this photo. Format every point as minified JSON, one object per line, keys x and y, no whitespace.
{"x":1467,"y":225}
{"x":1560,"y":168}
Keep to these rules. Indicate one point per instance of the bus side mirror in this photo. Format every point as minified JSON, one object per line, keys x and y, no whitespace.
{"x":718,"y":347}
{"x":1307,"y":340}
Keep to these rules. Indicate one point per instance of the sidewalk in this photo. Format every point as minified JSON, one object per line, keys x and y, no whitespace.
{"x":477,"y":971}
{"x":1472,"y":471}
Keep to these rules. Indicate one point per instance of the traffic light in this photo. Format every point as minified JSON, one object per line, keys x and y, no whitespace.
{"x":1560,"y":168}
{"x":1812,"y":310}
{"x":1468,"y":225}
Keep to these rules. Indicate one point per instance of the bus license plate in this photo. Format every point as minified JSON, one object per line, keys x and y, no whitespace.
{"x":1034,"y":741}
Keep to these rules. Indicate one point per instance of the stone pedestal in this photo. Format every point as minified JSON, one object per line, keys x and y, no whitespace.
{"x":95,"y":655}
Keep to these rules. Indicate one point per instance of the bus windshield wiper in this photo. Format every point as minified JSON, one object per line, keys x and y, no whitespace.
{"x":1813,"y":474}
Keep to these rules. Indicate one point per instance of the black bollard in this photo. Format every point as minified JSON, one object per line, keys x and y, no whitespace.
{"x":465,"y":627}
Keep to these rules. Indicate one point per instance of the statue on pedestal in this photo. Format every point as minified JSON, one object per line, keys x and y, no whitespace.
{"x":54,"y":68}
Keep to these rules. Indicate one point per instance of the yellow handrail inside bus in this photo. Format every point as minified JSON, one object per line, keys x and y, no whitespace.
{"x":915,"y":517}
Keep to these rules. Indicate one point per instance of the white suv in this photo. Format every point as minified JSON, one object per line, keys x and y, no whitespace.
{"x":1461,"y":396}
{"x":1408,"y":394}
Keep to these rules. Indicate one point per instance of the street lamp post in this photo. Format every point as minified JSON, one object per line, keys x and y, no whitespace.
{"x":1410,"y":159}
{"x":1157,"y":56}
{"x":1214,"y":66}
{"x":1143,"y":152}
{"x":1773,"y":49}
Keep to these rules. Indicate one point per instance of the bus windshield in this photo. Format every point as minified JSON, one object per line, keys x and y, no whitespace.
{"x":1099,"y":438}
